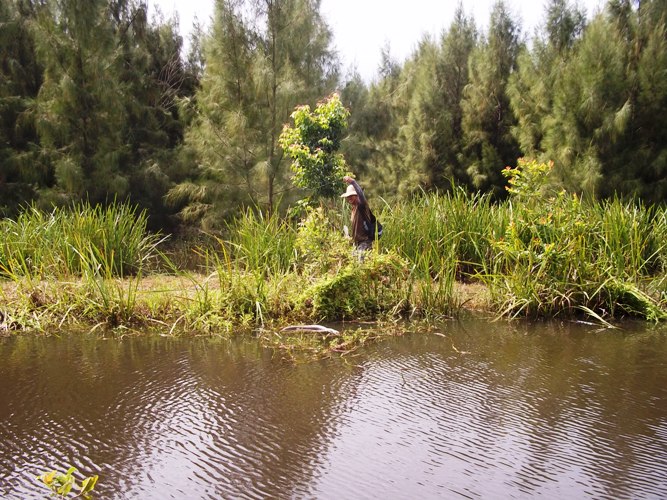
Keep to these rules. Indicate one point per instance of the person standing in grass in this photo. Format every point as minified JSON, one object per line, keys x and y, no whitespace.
{"x":362,"y":219}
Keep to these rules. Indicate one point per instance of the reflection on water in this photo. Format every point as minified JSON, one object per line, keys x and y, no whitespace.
{"x":488,"y":410}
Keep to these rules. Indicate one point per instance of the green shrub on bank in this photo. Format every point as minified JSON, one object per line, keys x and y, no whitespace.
{"x":559,"y":255}
{"x":321,"y":248}
{"x":262,"y":242}
{"x":324,"y":281}
{"x":365,"y":290}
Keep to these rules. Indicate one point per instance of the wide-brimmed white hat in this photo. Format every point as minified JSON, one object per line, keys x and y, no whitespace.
{"x":350,"y":191}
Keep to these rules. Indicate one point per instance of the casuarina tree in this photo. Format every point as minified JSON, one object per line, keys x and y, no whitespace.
{"x":263,"y":57}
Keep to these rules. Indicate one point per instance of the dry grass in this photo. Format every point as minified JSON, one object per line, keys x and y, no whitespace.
{"x":474,"y":297}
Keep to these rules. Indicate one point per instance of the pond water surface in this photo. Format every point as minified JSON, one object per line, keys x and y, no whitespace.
{"x":482,"y":410}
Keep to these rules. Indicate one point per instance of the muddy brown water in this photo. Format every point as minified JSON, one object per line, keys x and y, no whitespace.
{"x":483,"y":410}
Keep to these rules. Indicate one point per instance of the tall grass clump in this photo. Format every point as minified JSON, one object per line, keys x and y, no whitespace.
{"x":263,"y":242}
{"x":658,"y":286}
{"x":455,"y":224}
{"x":430,"y":291}
{"x":560,"y":255}
{"x":259,"y":273}
{"x":634,"y":242}
{"x":113,"y":238}
{"x":25,"y":244}
{"x":632,"y":238}
{"x":71,"y":241}
{"x":324,"y":280}
{"x":230,"y":295}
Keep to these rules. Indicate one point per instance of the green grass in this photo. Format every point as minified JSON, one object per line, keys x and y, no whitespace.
{"x":107,"y":241}
{"x":562,"y":257}
{"x":262,"y":242}
{"x":454,"y":226}
{"x":539,"y":254}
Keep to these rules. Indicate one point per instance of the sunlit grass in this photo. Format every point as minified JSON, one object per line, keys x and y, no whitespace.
{"x":560,"y":256}
{"x":552,"y":256}
{"x":262,"y":242}
{"x":454,"y":224}
{"x":109,"y":241}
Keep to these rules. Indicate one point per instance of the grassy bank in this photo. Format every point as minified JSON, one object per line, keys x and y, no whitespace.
{"x":540,"y":254}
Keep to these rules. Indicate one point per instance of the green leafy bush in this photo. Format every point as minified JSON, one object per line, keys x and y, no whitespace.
{"x":320,"y":248}
{"x":312,"y":144}
{"x":359,"y":290}
{"x":559,"y":255}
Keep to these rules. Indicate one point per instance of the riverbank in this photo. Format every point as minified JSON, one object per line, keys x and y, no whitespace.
{"x":170,"y":302}
{"x":541,"y":254}
{"x":193,"y":304}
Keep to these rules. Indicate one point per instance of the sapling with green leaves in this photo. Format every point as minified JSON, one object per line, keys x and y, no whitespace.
{"x":313,"y":143}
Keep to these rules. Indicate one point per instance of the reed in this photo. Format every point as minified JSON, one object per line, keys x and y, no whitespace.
{"x":234,"y":295}
{"x":631,"y":237}
{"x":540,"y":254}
{"x":560,"y":256}
{"x":23,"y":250}
{"x":70,"y":242}
{"x":110,"y":301}
{"x":455,"y":224}
{"x":105,"y":248}
{"x":262,"y":242}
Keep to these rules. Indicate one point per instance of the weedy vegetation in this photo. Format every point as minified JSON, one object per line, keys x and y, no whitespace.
{"x":62,"y":484}
{"x":541,"y":253}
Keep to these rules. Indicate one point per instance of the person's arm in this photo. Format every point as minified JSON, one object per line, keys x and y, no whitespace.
{"x":349,"y":180}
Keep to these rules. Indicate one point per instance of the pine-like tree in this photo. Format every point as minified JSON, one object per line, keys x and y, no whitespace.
{"x":389,"y":99}
{"x":487,"y":116}
{"x":80,"y":106}
{"x":434,"y":125}
{"x":636,"y":164}
{"x":107,"y":110}
{"x":606,"y":131}
{"x":590,"y":109}
{"x":20,"y":79}
{"x":531,"y":87}
{"x":154,"y":80}
{"x":262,"y":59}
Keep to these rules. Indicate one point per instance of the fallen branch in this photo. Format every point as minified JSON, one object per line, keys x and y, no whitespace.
{"x":311,"y":328}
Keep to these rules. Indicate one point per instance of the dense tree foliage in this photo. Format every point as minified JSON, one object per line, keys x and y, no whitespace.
{"x":435,"y":117}
{"x":97,"y":102}
{"x":263,"y":58}
{"x":89,"y":103}
{"x":487,"y":117}
{"x":372,"y":148}
{"x":20,"y":80}
{"x":312,"y":145}
{"x":531,"y":87}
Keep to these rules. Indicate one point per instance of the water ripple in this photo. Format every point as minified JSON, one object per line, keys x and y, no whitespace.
{"x":501,"y":416}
